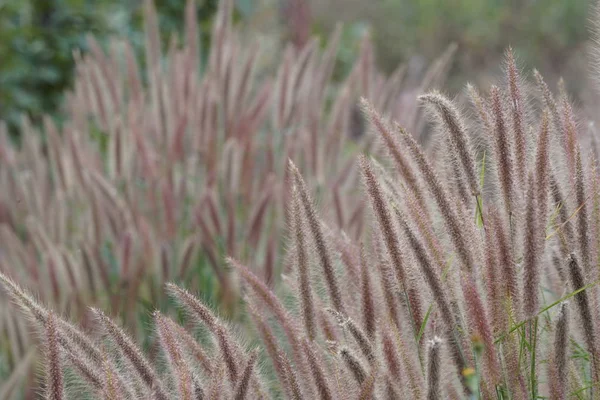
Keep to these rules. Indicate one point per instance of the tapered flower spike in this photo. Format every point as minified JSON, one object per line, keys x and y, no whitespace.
{"x":23,"y":299}
{"x":367,"y":296}
{"x":442,"y":198}
{"x":281,"y":362}
{"x":458,"y":136}
{"x":387,"y":280}
{"x":133,"y":354}
{"x":434,"y":370}
{"x":316,"y":369}
{"x":479,"y":318}
{"x":392,"y":362}
{"x":518,"y":115}
{"x":243,"y":386}
{"x":455,"y":176}
{"x":367,"y":389}
{"x":542,"y":175}
{"x":564,"y":228}
{"x":503,"y":151}
{"x":492,"y":283}
{"x":319,"y":239}
{"x":85,"y":370}
{"x":268,"y":297}
{"x":514,"y":378}
{"x":549,"y":101}
{"x":79,"y":349}
{"x":353,"y":365}
{"x":306,"y":296}
{"x":191,"y":346}
{"x":290,"y":377}
{"x":569,"y":134}
{"x":508,"y":271}
{"x":585,"y":312}
{"x":440,"y":297}
{"x":54,"y":374}
{"x":561,"y":346}
{"x":532,"y":252}
{"x":430,"y":275}
{"x":480,"y":105}
{"x":173,"y":348}
{"x":394,"y":148}
{"x":110,"y":391}
{"x":390,"y":390}
{"x":582,"y":214}
{"x":202,"y":315}
{"x":359,"y":336}
{"x":384,"y":219}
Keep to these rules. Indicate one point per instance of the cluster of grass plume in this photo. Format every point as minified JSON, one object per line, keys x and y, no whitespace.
{"x":484,"y":289}
{"x":156,"y":177}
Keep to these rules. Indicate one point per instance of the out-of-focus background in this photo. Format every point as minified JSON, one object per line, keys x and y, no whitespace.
{"x":38,"y":38}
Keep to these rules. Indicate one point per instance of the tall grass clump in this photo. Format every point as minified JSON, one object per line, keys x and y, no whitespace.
{"x":155,"y":177}
{"x":482,"y":286}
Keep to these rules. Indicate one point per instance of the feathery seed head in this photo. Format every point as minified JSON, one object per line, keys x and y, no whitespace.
{"x":533,"y":249}
{"x":560,"y":366}
{"x":434,"y":369}
{"x":382,"y":213}
{"x":503,"y":150}
{"x":302,"y":264}
{"x":319,"y":239}
{"x":132,"y":353}
{"x":518,"y":115}
{"x":54,"y":374}
{"x":458,"y":135}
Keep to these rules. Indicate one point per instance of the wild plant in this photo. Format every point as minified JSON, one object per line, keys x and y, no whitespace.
{"x":156,"y":177}
{"x":488,"y":295}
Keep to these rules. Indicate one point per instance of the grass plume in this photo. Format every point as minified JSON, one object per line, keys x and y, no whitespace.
{"x":183,"y":180}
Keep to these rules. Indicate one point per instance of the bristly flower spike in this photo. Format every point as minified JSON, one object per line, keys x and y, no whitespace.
{"x":319,"y":239}
{"x":503,"y":151}
{"x":443,"y":200}
{"x":434,"y":370}
{"x":306,"y":296}
{"x":458,"y":135}
{"x":518,"y":115}
{"x":54,"y":373}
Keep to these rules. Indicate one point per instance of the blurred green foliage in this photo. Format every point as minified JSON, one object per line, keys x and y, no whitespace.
{"x":484,"y":27}
{"x":36,"y":43}
{"x":548,"y":34}
{"x":37,"y":37}
{"x":37,"y":40}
